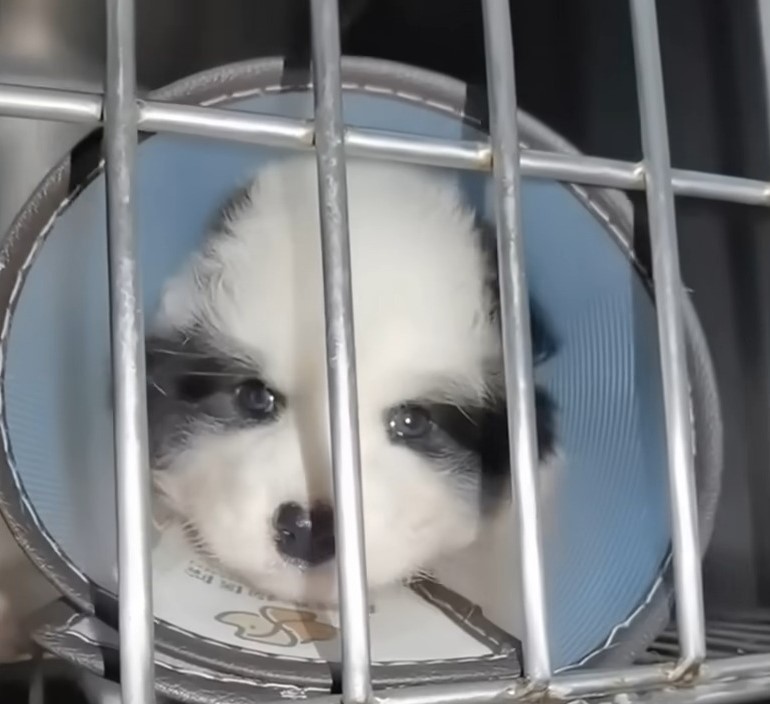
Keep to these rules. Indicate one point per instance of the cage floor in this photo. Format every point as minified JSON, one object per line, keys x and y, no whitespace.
{"x":728,"y":633}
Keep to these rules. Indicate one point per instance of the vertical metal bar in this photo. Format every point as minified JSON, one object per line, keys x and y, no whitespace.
{"x":128,"y":369}
{"x":668,"y":294}
{"x":763,"y":14}
{"x":341,"y":362}
{"x":501,"y":86}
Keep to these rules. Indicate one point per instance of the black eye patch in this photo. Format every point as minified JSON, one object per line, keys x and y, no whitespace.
{"x":470,"y":442}
{"x":545,"y":344}
{"x":193,"y":388}
{"x":439,"y":429}
{"x":190,"y":383}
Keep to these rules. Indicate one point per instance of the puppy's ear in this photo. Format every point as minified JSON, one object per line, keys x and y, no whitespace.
{"x":545,"y":416}
{"x":235,"y":202}
{"x":544,"y":342}
{"x":495,"y":427}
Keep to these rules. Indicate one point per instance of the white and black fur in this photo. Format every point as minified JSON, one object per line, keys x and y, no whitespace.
{"x":237,"y":395}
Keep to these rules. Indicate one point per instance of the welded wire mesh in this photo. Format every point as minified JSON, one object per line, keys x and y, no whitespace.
{"x":691,"y":675}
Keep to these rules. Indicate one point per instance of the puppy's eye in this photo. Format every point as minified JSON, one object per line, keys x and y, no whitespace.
{"x":254,"y":399}
{"x":409,"y":422}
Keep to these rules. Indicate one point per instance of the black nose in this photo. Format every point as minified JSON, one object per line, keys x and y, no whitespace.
{"x":305,"y":536}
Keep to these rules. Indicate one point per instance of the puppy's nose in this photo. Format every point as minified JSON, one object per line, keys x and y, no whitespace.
{"x":305,"y":535}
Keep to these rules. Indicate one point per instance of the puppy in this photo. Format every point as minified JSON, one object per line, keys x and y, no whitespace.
{"x":237,"y":391}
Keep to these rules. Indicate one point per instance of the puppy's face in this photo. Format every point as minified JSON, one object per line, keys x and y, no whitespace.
{"x":237,"y":392}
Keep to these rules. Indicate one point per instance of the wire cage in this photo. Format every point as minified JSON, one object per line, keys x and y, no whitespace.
{"x":684,"y":669}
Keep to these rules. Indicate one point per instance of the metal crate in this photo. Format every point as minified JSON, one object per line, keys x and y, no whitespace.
{"x":688,"y":670}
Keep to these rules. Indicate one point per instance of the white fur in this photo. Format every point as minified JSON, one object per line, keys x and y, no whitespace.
{"x":421,"y":327}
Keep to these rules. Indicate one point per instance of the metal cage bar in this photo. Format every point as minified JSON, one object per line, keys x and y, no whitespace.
{"x":50,"y":104}
{"x":669,"y":293}
{"x":340,"y":353}
{"x":763,"y":17}
{"x":517,"y":341}
{"x":154,"y":116}
{"x":660,"y":683}
{"x":128,"y":363}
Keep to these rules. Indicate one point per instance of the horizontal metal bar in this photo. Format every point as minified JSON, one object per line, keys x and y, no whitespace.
{"x":86,"y":108}
{"x":697,"y":184}
{"x":735,"y":679}
{"x":747,"y":666}
{"x":724,"y":693}
{"x":50,"y":104}
{"x":575,"y":685}
{"x":657,"y":682}
{"x":590,"y":170}
{"x":228,"y":124}
{"x":629,"y":176}
{"x":468,"y":155}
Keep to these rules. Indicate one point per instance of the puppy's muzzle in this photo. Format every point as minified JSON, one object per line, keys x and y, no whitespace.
{"x":305,"y":536}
